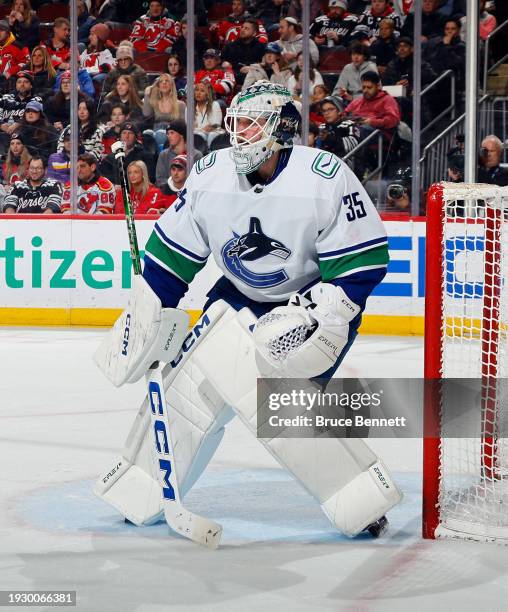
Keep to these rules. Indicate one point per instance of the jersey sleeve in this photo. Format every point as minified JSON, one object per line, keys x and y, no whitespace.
{"x":352,"y":247}
{"x":177,"y":248}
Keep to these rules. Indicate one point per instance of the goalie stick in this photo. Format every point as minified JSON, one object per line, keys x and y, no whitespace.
{"x":179,"y":519}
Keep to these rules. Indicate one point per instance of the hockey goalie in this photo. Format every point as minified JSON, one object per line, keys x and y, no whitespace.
{"x":301,"y":247}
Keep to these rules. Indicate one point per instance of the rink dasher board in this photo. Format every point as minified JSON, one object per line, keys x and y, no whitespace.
{"x":76,"y":270}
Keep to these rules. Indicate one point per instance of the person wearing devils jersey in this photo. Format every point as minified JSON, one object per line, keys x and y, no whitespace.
{"x":58,"y":44}
{"x":335,"y":27}
{"x":95,"y":194}
{"x":36,"y":194}
{"x":156,"y":31}
{"x":96,"y":59}
{"x":13,"y":56}
{"x":221,"y":80}
{"x":229,"y":30}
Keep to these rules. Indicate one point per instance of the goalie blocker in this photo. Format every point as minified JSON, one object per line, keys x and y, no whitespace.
{"x":212,"y":379}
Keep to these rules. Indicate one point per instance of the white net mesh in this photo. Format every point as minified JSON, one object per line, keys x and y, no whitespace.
{"x":279,"y":347}
{"x":473,"y":496}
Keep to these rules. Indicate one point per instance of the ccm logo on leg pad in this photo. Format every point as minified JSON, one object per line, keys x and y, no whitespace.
{"x":161,"y":439}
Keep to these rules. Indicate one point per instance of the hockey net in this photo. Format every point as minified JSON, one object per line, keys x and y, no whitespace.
{"x":465,"y":488}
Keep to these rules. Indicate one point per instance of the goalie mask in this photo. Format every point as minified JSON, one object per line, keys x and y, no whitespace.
{"x":261,"y":119}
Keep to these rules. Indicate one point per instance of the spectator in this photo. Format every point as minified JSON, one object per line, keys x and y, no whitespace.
{"x":161,"y":106}
{"x":13,"y":55}
{"x":117,"y":118}
{"x":177,"y":178}
{"x":58,"y":44}
{"x":270,"y":12}
{"x":448,"y":52}
{"x":384,"y":48}
{"x":24,"y":23}
{"x":335,"y":27}
{"x":58,"y":106}
{"x":376,"y":109}
{"x":85,"y":22}
{"x":272,"y":68}
{"x":295,"y":9}
{"x":319,"y":94}
{"x":44,"y":75}
{"x":372,"y":17}
{"x":432,"y":21}
{"x":403,"y":7}
{"x":129,"y":135}
{"x":125,"y":66}
{"x":156,"y":31}
{"x":124,"y":91}
{"x":146,"y":199}
{"x":291,"y":41}
{"x":313,"y":134}
{"x":295,"y":81}
{"x":177,"y":145}
{"x":207,"y":114}
{"x":455,"y":170}
{"x":59,"y":163}
{"x":36,"y":194}
{"x":175,"y":69}
{"x":15,"y":167}
{"x":488,"y":23}
{"x":95,"y":194}
{"x":247,"y":50}
{"x":90,"y":133}
{"x":229,"y":30}
{"x":85,"y":83}
{"x":96,"y":59}
{"x":222,"y":80}
{"x":398,"y":190}
{"x":400,"y":70}
{"x":349,"y":86}
{"x":39,"y":136}
{"x":12,"y":106}
{"x":179,"y":49}
{"x":490,"y":170}
{"x":338,"y":134}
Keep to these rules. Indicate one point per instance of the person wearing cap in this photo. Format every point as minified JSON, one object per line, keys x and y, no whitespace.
{"x":177,"y":145}
{"x":58,"y":44}
{"x":14,"y":56}
{"x":96,"y":59}
{"x":24,"y":23}
{"x":221,"y":80}
{"x":273,"y":68}
{"x":39,"y":136}
{"x":240,"y":54}
{"x":229,"y":30}
{"x":95,"y":194}
{"x":400,"y":70}
{"x":125,"y":66}
{"x":291,"y":41}
{"x":369,"y":20}
{"x":177,"y":178}
{"x":338,"y":134}
{"x":335,"y":27}
{"x":146,"y":199}
{"x":349,"y":84}
{"x":134,"y":150}
{"x":44,"y":75}
{"x":15,"y":166}
{"x":156,"y":31}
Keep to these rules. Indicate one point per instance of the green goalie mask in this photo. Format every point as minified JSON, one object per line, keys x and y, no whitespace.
{"x":261,"y":119}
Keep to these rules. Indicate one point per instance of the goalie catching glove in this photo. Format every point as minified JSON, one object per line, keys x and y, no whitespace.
{"x":305,"y":338}
{"x":144,"y":333}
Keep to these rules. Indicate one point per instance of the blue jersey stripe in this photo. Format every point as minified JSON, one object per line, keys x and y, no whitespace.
{"x":350,"y":249}
{"x":177,"y":246}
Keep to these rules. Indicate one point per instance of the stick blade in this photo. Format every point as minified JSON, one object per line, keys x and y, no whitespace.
{"x":197,"y":528}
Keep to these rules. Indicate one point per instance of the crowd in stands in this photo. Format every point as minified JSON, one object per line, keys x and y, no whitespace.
{"x":133,"y":86}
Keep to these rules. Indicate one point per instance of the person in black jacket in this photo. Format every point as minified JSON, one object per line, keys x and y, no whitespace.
{"x":490,"y":171}
{"x":24,"y":23}
{"x":39,"y":136}
{"x":36,"y":194}
{"x":384,"y":48}
{"x":432,"y":21}
{"x":448,"y":52}
{"x":201,"y":44}
{"x":247,"y":50}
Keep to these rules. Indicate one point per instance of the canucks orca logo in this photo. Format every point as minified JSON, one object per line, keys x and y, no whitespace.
{"x":252,"y":246}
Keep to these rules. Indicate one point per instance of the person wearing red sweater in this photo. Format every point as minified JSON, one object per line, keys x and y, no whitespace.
{"x":13,"y":56}
{"x":376,"y":109}
{"x":146,"y":199}
{"x":229,"y":30}
{"x":58,"y":44}
{"x":156,"y":31}
{"x":222,"y":81}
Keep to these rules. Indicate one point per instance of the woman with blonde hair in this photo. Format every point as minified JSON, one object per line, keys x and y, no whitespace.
{"x":15,"y":166}
{"x":207,"y":113}
{"x":125,"y":92}
{"x":43,"y":71}
{"x":161,"y":105}
{"x":146,"y":199}
{"x":24,"y":23}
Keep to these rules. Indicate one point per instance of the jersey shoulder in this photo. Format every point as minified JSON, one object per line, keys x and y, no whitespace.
{"x":316,"y":164}
{"x":212,"y":168}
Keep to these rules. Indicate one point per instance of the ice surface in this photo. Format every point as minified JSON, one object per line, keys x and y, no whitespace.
{"x":61,"y":423}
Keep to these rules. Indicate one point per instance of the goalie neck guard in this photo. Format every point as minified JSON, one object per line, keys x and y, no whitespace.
{"x":261,"y":119}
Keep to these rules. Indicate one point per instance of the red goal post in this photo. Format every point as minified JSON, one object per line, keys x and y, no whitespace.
{"x":465,"y":485}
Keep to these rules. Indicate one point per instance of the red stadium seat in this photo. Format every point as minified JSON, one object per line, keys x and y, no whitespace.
{"x":119,"y":31}
{"x":219,"y":11}
{"x":152,"y":62}
{"x":5,"y":10}
{"x":47,"y":13}
{"x":332,"y":61}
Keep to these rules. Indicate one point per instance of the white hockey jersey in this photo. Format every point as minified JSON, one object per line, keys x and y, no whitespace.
{"x":314,"y":221}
